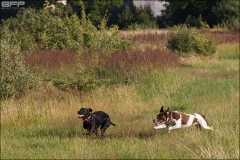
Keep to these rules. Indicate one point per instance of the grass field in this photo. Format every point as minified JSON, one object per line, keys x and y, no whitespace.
{"x":44,"y":123}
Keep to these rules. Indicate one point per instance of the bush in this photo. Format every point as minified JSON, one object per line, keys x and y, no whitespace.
{"x":201,"y":45}
{"x":180,"y":41}
{"x":196,"y":22}
{"x":110,"y":39}
{"x":82,"y":80}
{"x":16,"y":78}
{"x":56,"y":29}
{"x":190,"y":40}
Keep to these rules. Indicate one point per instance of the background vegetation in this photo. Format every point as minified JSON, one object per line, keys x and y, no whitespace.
{"x":190,"y":40}
{"x":44,"y":123}
{"x":69,"y":60}
{"x":213,"y":14}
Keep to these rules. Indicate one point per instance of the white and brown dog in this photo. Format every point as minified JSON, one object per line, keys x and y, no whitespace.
{"x":177,"y":120}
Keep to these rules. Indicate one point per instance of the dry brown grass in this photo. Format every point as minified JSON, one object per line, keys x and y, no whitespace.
{"x":223,"y":37}
{"x":51,"y":59}
{"x":141,"y":32}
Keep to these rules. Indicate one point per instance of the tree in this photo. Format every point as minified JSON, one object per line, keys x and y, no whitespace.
{"x":96,"y":10}
{"x":213,"y":12}
{"x":226,"y":12}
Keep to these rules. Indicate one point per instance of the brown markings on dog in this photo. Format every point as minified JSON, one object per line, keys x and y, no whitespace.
{"x":194,"y":120}
{"x":175,"y":115}
{"x":161,"y":117}
{"x":204,"y":118}
{"x":185,"y":118}
{"x":197,"y":125}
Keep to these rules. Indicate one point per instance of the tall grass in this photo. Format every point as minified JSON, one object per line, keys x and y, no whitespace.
{"x":44,"y":123}
{"x":51,"y":129}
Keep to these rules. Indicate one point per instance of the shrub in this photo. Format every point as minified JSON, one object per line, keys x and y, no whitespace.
{"x":16,"y":78}
{"x":55,"y":29}
{"x":82,"y":80}
{"x":202,"y":45}
{"x":180,"y":41}
{"x":196,"y":22}
{"x":190,"y":40}
{"x":111,"y":39}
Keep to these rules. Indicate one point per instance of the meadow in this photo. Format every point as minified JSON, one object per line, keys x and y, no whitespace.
{"x":44,"y":124}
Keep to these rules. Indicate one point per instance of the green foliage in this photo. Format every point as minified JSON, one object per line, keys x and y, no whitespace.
{"x":196,"y":22}
{"x":13,"y":31}
{"x":133,"y":17}
{"x":161,"y":83}
{"x":16,"y":78}
{"x":110,"y":38}
{"x":62,"y":34}
{"x":234,"y":24}
{"x":102,"y":38}
{"x":202,"y":45}
{"x":212,"y":12}
{"x":46,"y":29}
{"x":227,"y":12}
{"x":55,"y":29}
{"x":96,"y":9}
{"x":82,"y":80}
{"x":86,"y":80}
{"x":180,"y":41}
{"x":190,"y":40}
{"x":126,"y":16}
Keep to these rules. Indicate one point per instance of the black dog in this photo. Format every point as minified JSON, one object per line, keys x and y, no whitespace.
{"x":92,"y":121}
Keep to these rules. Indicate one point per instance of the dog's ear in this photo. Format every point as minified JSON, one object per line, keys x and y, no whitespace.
{"x":167,"y":111}
{"x":161,"y":110}
{"x":90,"y":109}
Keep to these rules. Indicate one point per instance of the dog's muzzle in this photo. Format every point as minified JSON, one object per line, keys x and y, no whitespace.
{"x":80,"y":116}
{"x":155,"y":121}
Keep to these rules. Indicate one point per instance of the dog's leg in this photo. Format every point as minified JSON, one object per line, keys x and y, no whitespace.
{"x":96,"y":132}
{"x":104,"y":126}
{"x":90,"y":129}
{"x":160,"y":126}
{"x":103,"y":131}
{"x":202,"y":121}
{"x":176,"y":126}
{"x":90,"y":132}
{"x":198,"y":126}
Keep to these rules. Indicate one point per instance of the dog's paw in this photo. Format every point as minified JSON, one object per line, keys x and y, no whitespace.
{"x":160,"y":126}
{"x":85,"y":134}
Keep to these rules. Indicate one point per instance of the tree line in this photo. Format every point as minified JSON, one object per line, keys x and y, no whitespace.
{"x":194,"y":13}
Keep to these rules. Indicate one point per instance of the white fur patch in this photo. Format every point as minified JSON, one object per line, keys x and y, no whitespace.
{"x":202,"y":121}
{"x":160,"y":126}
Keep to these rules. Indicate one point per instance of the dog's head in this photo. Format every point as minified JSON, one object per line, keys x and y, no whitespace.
{"x":84,"y":113}
{"x":163,"y":117}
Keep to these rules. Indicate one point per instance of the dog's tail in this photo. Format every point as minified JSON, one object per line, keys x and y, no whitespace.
{"x":108,"y":121}
{"x":112,"y":123}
